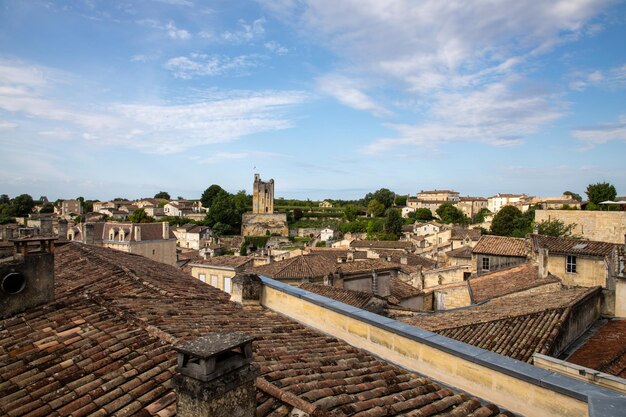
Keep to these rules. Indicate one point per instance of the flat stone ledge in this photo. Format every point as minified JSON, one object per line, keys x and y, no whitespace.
{"x":565,"y":385}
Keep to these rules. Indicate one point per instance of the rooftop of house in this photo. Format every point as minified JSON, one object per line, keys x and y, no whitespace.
{"x":298,"y":267}
{"x":382,"y":244}
{"x":512,"y":326}
{"x":459,"y":233}
{"x":464,"y":252}
{"x":468,"y":198}
{"x":366,"y":266}
{"x":501,"y":246}
{"x":570,"y":246}
{"x":507,"y":281}
{"x":438,"y":192}
{"x":605,"y":350}
{"x":411,"y":258}
{"x":149,"y":231}
{"x":104,"y":346}
{"x":334,"y":253}
{"x":228,"y":261}
{"x":357,"y":299}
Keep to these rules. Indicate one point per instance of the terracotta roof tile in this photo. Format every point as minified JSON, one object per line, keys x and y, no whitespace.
{"x":501,"y":245}
{"x":354,"y":298}
{"x":515,"y":327}
{"x":507,"y":281}
{"x":230,"y":261}
{"x":382,"y":244}
{"x":605,"y":350}
{"x":104,"y":346}
{"x":464,"y":252}
{"x":569,"y":246}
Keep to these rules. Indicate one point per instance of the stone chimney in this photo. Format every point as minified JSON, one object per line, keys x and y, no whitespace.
{"x":137,"y":233}
{"x":542,"y":262}
{"x":216,"y":377}
{"x":166,"y":230}
{"x":403,"y":260}
{"x":62,"y":229}
{"x":88,"y":233}
{"x":28,"y":280}
{"x":247,"y":289}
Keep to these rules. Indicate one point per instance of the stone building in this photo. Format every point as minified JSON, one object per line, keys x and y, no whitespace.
{"x":262,"y":221}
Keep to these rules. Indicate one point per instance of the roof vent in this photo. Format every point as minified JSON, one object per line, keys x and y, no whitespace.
{"x":580,"y":246}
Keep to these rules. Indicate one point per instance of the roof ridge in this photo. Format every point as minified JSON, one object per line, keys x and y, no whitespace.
{"x":289,"y":398}
{"x":85,"y":248}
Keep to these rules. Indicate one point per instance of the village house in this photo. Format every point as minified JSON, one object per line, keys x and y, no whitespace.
{"x":192,"y":236}
{"x":492,"y":253}
{"x":326,"y":204}
{"x":327,"y":234}
{"x":190,"y":209}
{"x":496,"y":202}
{"x":126,"y":322}
{"x":153,"y":240}
{"x":603,"y":226}
{"x":69,"y":208}
{"x":462,"y":236}
{"x":471,"y":206}
{"x":219,"y":271}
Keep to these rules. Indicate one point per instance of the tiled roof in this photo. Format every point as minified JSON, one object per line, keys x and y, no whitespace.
{"x":569,"y":246}
{"x":402,"y":290}
{"x":507,"y":281}
{"x":411,"y":258}
{"x":104,"y":347}
{"x":464,"y":252}
{"x":468,"y":198}
{"x":459,"y":233}
{"x":438,"y":192}
{"x":382,"y":244}
{"x":354,"y":298}
{"x":230,"y":261}
{"x":501,"y":245}
{"x":298,"y":267}
{"x":366,"y":265}
{"x":511,"y":326}
{"x":605,"y":350}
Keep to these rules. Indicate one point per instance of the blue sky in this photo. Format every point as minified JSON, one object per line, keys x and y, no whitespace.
{"x":332,"y":99}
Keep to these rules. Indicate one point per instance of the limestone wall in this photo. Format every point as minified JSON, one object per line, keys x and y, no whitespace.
{"x":254,"y":224}
{"x":605,"y":226}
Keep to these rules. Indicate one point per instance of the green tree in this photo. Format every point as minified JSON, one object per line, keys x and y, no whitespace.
{"x":394,"y":222}
{"x":22,"y":205}
{"x":480,"y":216}
{"x":383,"y":196}
{"x":556,"y":228}
{"x":140,"y":216}
{"x":350,"y":212}
{"x":209,"y":195}
{"x":4,"y":199}
{"x":226,"y":209}
{"x":510,"y":221}
{"x":297,"y":214}
{"x":573,"y":195}
{"x":602,"y":191}
{"x":449,"y":214}
{"x":401,"y":200}
{"x":375,"y":208}
{"x":162,"y":194}
{"x":47,"y":208}
{"x":420,"y":215}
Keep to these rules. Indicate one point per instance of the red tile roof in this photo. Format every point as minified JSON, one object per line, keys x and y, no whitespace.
{"x":229,"y":261}
{"x":402,"y":290}
{"x":605,"y":350}
{"x":464,"y":252}
{"x":298,"y":267}
{"x":507,"y":281}
{"x":104,"y":346}
{"x":569,"y":246}
{"x":501,"y":245}
{"x":354,"y":298}
{"x":512,"y":326}
{"x":382,"y":244}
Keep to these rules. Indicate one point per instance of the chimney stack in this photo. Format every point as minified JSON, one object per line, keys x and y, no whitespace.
{"x":543,"y":262}
{"x":403,"y":260}
{"x":216,"y":376}
{"x":28,"y":280}
{"x":137,"y":233}
{"x":88,"y":233}
{"x":247,"y":289}
{"x":62,"y":229}
{"x":166,"y":230}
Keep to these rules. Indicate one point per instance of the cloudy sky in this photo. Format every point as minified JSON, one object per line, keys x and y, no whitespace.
{"x":332,"y":99}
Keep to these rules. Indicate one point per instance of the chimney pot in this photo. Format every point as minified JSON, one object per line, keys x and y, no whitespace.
{"x":247,"y":289}
{"x":216,"y":376}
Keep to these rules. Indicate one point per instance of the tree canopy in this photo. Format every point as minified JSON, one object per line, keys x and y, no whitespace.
{"x":140,"y":216}
{"x":420,"y":215}
{"x":394,"y":222}
{"x":209,"y":195}
{"x":383,"y":196}
{"x":449,"y":214}
{"x":162,"y":194}
{"x":375,"y":208}
{"x":510,"y":221}
{"x":225,"y":213}
{"x":573,"y":195}
{"x":599,"y":192}
{"x":556,"y":228}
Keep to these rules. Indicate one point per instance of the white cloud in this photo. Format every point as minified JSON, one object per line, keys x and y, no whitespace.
{"x":276,"y":48}
{"x":187,"y":3}
{"x":197,"y":65}
{"x":169,"y":28}
{"x":611,"y":79}
{"x":247,"y":32}
{"x":162,"y":128}
{"x":6,"y":125}
{"x":598,"y":135}
{"x":441,"y":54}
{"x":348,"y":92}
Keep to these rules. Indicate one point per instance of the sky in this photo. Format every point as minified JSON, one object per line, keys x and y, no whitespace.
{"x":332,"y":99}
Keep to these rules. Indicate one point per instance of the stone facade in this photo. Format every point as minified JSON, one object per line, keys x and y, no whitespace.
{"x":604,"y":226}
{"x":262,"y":221}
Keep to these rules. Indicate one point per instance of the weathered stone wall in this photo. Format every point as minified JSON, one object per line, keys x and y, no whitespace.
{"x":589,"y":271}
{"x":254,"y":224}
{"x":444,"y":276}
{"x":620,"y":298}
{"x":606,"y":226}
{"x":452,"y":297}
{"x":157,"y":250}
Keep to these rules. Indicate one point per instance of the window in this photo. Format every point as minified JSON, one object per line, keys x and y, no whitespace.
{"x":214,"y":280}
{"x":202,"y":277}
{"x":485,"y":264}
{"x":570,"y":264}
{"x":227,"y":285}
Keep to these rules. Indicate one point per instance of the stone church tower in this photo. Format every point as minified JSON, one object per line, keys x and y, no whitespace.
{"x":262,"y":196}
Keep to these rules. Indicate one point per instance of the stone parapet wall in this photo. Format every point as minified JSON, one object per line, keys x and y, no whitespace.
{"x":605,"y":226}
